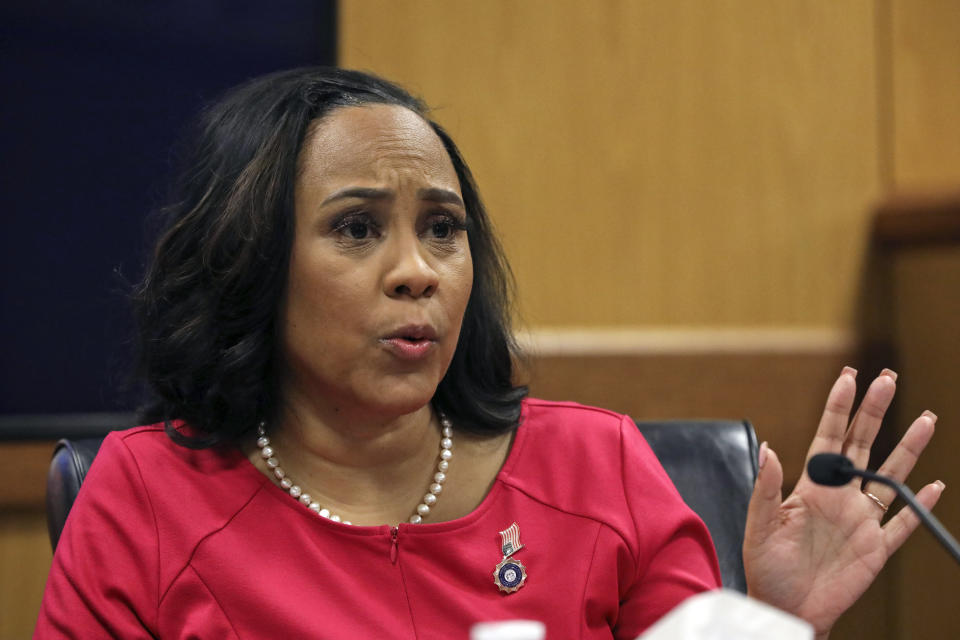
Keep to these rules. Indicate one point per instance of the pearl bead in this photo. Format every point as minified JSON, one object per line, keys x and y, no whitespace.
{"x":286,"y":483}
{"x":446,"y":454}
{"x":347,"y":522}
{"x":443,"y":465}
{"x":325,"y":513}
{"x":447,"y":432}
{"x":266,"y":452}
{"x":415,"y":519}
{"x":439,"y":477}
{"x":305,"y":499}
{"x":273,"y":463}
{"x":435,"y":488}
{"x":430,"y":499}
{"x":279,"y":473}
{"x":335,"y":518}
{"x":446,"y":443}
{"x":295,"y":491}
{"x":263,"y":441}
{"x":423,"y":509}
{"x":315,"y":506}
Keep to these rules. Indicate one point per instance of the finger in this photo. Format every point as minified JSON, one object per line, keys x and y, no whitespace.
{"x":762,"y":514}
{"x":865,"y":425}
{"x":902,"y":459}
{"x":900,"y":526}
{"x":836,"y":414}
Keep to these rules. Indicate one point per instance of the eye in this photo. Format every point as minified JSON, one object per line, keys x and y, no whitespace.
{"x":441,"y":229}
{"x":356,"y":227}
{"x":445,"y":227}
{"x":357,"y":230}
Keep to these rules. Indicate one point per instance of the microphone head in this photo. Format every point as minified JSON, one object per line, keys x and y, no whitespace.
{"x":831,"y":469}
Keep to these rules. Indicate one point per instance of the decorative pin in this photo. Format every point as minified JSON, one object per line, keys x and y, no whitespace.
{"x":510,"y":574}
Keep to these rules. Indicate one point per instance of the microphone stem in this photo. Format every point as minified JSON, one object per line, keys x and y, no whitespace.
{"x":937,"y":529}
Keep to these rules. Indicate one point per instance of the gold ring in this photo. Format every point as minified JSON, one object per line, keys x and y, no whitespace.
{"x":879,"y":502}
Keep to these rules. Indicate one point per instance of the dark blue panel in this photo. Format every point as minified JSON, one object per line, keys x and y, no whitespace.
{"x":93,"y":99}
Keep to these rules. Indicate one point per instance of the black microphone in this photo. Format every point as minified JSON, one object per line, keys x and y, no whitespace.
{"x":835,"y":470}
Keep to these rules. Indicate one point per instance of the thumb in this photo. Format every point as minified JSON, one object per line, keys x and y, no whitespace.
{"x":765,"y":502}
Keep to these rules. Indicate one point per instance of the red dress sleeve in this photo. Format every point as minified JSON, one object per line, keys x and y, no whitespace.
{"x":675,"y":557}
{"x":104,"y":580}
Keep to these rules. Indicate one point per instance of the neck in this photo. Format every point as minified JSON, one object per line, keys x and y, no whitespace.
{"x":355,"y":440}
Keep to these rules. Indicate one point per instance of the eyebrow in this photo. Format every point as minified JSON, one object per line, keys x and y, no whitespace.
{"x":443,"y":196}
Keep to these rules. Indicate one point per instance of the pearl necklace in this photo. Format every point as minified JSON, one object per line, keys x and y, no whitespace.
{"x":269,"y":454}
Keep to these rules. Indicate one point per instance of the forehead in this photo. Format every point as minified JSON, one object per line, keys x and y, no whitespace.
{"x":374,"y":144}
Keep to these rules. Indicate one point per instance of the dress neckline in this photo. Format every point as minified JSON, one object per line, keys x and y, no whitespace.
{"x":519,"y":437}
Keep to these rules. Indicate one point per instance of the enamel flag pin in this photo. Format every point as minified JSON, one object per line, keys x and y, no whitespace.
{"x":510,"y":574}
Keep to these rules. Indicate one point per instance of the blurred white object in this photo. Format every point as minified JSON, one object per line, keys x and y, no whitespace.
{"x":727,"y":615}
{"x":509,"y":630}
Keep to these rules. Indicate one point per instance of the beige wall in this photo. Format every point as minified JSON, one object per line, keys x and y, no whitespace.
{"x":655,"y":163}
{"x":681,"y":163}
{"x":925,"y":93}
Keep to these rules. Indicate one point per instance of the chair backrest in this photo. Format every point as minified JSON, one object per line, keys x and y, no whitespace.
{"x":68,"y":468}
{"x":713,"y":464}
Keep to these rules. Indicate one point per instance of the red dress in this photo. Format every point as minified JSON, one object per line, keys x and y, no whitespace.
{"x":168,"y":542}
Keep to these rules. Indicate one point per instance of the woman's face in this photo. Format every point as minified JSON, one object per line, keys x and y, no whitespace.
{"x":380,"y":271}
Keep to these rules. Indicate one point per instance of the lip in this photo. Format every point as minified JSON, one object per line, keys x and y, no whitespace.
{"x":414,"y":331}
{"x":411,"y":342}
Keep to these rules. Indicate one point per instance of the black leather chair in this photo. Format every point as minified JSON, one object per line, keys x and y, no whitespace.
{"x":713,"y":464}
{"x":69,"y":466}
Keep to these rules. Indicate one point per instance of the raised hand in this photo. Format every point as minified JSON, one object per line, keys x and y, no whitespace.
{"x":816,"y":552}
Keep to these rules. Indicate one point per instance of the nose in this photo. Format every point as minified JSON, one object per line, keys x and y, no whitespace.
{"x":409,"y":272}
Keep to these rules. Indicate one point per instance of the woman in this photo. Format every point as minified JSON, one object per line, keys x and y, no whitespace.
{"x":342,"y":451}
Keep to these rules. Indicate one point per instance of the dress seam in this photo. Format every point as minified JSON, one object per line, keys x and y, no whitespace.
{"x":602,"y":523}
{"x":406,"y":594}
{"x":226,"y":616}
{"x":204,"y":538}
{"x":626,"y":498}
{"x":583,"y":596}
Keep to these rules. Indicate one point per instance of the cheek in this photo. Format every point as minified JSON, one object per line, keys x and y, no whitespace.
{"x":317,"y":297}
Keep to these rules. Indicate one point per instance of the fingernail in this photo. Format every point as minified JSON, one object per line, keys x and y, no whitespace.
{"x":762,"y":456}
{"x":931,"y":415}
{"x":940,"y":484}
{"x":850,"y":371}
{"x":889,"y":373}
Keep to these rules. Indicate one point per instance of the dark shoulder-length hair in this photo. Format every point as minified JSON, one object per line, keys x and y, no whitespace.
{"x":207,"y":308}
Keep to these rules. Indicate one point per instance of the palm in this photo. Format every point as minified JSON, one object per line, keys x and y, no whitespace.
{"x":816,"y":552}
{"x":834,"y":550}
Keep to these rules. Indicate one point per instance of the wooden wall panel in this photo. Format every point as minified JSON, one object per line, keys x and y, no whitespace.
{"x":24,"y":543}
{"x":926,"y":283}
{"x":654,"y":163}
{"x":24,"y":563}
{"x":925,"y":81}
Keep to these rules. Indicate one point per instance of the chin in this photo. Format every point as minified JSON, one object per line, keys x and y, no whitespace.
{"x":400,"y":399}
